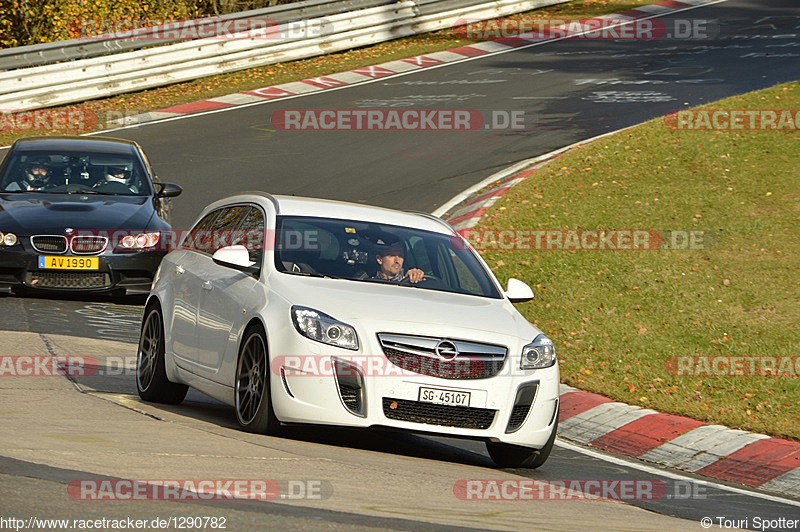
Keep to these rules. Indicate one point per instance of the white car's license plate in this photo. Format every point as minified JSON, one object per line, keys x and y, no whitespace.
{"x":443,"y":397}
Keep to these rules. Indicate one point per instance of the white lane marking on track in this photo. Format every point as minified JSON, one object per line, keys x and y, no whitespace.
{"x":449,"y":82}
{"x":628,"y":97}
{"x":415,"y":99}
{"x":675,"y":476}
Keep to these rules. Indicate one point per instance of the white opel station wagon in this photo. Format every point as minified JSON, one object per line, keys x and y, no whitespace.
{"x":297,"y":310}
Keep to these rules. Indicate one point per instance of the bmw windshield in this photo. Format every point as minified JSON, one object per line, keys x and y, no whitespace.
{"x":71,"y":172}
{"x":370,"y":252}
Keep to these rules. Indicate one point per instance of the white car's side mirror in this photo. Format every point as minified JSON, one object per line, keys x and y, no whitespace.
{"x":518,"y":292}
{"x":236,"y":257}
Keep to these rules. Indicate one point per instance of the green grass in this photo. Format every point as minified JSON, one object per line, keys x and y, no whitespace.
{"x":617,"y":316}
{"x":254,"y":78}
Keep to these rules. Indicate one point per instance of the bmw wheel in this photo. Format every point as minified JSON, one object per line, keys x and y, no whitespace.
{"x":253,"y":400}
{"x":151,"y":375}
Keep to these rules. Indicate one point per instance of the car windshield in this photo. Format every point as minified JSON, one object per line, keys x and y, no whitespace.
{"x":356,"y":250}
{"x":74,"y":173}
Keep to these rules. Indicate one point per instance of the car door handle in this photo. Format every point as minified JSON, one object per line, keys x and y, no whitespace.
{"x":179,"y":269}
{"x":207,"y":285}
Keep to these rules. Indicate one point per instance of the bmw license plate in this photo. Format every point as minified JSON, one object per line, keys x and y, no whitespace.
{"x":47,"y":262}
{"x":443,"y":397}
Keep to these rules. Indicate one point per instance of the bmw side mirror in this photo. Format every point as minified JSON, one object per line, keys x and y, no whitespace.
{"x":168,"y":190}
{"x":236,"y":257}
{"x":518,"y":292}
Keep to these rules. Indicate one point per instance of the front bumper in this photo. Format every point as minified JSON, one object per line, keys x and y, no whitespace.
{"x":131,"y":271}
{"x":307,"y":388}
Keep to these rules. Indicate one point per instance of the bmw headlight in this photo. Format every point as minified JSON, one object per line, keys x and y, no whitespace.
{"x":8,"y":239}
{"x":140,"y":241}
{"x":541,"y":353}
{"x":322,"y":328}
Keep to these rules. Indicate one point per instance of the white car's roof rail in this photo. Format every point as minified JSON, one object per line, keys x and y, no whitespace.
{"x":434,"y":218}
{"x":263,"y":194}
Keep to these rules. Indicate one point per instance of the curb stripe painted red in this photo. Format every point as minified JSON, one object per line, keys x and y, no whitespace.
{"x":472,"y":214}
{"x":325,"y":82}
{"x":470,"y":51}
{"x":578,"y":402}
{"x":644,"y":434}
{"x":269,"y":92}
{"x":674,"y":4}
{"x":757,"y":463}
{"x":196,"y":107}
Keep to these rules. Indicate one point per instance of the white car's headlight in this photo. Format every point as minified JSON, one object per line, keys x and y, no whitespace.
{"x":322,"y":328}
{"x":541,"y":353}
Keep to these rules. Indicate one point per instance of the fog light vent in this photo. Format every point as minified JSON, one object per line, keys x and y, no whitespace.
{"x":350,"y":383}
{"x":526,"y":394}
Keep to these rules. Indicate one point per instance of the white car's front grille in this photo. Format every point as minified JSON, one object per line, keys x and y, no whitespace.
{"x":443,"y":357}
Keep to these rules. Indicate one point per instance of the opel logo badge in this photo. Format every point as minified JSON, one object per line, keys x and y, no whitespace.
{"x":446,"y":350}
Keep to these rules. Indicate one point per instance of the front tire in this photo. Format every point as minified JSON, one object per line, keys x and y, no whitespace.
{"x":507,"y":455}
{"x":151,"y":374}
{"x":253,"y":401}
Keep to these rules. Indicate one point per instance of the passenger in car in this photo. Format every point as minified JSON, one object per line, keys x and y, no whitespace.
{"x":391,"y":258}
{"x":35,"y":177}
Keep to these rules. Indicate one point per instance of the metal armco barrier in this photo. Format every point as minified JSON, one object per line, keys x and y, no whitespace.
{"x":59,"y":51}
{"x":88,"y":71}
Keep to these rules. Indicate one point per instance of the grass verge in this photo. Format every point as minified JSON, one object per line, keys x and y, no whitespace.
{"x":210,"y":87}
{"x":618,"y":317}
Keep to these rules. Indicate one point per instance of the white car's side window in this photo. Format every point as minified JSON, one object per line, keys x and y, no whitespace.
{"x":194,"y":239}
{"x":251,"y":234}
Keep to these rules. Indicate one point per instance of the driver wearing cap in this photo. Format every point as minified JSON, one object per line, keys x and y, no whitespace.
{"x":390,"y":259}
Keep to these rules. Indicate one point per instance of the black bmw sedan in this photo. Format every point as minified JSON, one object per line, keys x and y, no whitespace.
{"x":81,"y":214}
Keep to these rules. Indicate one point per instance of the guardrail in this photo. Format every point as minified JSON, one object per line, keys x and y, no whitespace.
{"x":99,"y":45}
{"x":364,"y":22}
